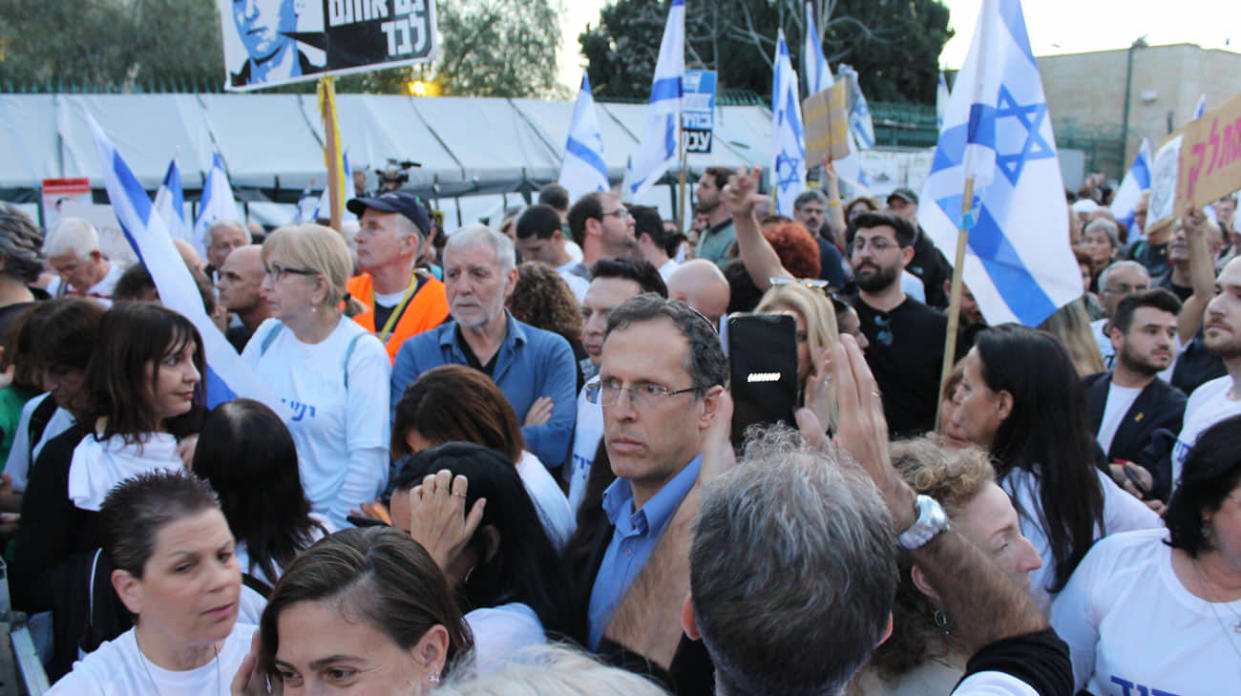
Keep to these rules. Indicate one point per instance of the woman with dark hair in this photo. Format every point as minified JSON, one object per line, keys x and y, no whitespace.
{"x":247,"y":455}
{"x":457,"y":403}
{"x":174,"y":570}
{"x":503,"y":566}
{"x":543,"y":299}
{"x":1020,"y":399}
{"x":21,"y":356}
{"x":143,"y":391}
{"x":1162,"y":607}
{"x":363,"y":611}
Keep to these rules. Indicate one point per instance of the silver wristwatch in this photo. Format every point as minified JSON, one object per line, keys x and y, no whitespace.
{"x":931,"y":521}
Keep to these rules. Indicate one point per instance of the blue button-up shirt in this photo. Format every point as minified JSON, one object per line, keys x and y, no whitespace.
{"x":529,"y":364}
{"x":633,"y":540}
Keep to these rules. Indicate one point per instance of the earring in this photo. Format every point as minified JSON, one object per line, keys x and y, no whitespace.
{"x":942,"y":622}
{"x":314,"y":309}
{"x":434,"y":678}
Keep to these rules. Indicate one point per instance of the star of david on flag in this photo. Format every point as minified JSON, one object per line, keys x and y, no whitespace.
{"x":1018,"y":264}
{"x":788,"y":137}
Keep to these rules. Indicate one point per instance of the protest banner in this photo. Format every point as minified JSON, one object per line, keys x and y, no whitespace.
{"x":1207,"y":153}
{"x":56,"y":192}
{"x":275,"y":42}
{"x":698,"y":110}
{"x":826,"y":115}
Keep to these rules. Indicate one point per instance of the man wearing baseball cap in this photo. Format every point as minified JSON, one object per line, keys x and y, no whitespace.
{"x":928,"y":264}
{"x":400,"y":301}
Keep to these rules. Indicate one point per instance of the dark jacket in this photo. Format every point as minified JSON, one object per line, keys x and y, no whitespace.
{"x":1149,"y":428}
{"x":932,"y":268}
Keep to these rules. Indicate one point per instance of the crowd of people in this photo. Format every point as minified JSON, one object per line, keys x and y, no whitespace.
{"x":500,"y":461}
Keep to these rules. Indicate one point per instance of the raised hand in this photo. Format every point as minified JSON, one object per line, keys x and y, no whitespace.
{"x":437,"y":516}
{"x":740,"y":194}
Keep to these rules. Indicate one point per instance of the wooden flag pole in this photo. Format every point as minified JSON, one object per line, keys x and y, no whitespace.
{"x":954,"y":301}
{"x":331,"y":148}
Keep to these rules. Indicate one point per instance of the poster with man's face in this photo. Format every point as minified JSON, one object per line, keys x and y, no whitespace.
{"x":275,"y":42}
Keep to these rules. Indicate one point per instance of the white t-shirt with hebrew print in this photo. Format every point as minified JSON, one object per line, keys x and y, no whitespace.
{"x":341,"y":433}
{"x":1133,"y":628}
{"x":1208,"y":405}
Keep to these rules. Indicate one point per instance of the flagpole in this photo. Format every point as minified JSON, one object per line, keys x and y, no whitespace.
{"x":681,"y":185}
{"x":954,"y":297}
{"x":331,"y":148}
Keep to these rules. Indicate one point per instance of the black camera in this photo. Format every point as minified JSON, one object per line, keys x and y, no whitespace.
{"x":396,"y":174}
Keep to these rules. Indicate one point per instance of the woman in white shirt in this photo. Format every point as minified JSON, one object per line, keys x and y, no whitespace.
{"x":1020,"y":398}
{"x":1159,"y":611}
{"x":248,"y":457}
{"x":326,"y":369}
{"x":174,"y":569}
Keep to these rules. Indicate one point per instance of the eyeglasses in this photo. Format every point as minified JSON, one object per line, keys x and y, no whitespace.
{"x":1123,"y":289}
{"x":878,"y":244}
{"x":621,"y":213}
{"x":641,"y":396}
{"x":813,"y":283}
{"x":276,"y":272}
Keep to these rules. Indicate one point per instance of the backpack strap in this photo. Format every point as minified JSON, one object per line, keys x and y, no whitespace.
{"x":353,"y":343}
{"x":271,"y":336}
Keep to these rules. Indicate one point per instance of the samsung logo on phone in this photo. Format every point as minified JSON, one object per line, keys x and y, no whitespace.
{"x":763,"y":377}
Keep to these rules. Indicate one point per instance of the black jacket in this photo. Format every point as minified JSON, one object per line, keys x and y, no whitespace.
{"x":1149,"y":429}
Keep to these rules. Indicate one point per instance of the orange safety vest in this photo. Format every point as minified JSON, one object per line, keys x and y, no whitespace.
{"x":427,"y":309}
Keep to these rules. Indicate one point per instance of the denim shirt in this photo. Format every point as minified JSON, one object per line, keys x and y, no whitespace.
{"x":633,"y":540}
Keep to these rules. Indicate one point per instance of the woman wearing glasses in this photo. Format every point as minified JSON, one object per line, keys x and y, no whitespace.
{"x":324,"y":368}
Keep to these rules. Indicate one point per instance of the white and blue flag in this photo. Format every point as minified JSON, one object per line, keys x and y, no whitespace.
{"x":217,"y":203}
{"x":1137,"y":181}
{"x":813,"y":63}
{"x":861,"y":127}
{"x":657,"y":150}
{"x":1018,"y":262}
{"x":788,"y":137}
{"x":1200,"y":108}
{"x":583,"y":169}
{"x":941,"y":101}
{"x":324,"y":207}
{"x":170,"y":202}
{"x":227,"y":376}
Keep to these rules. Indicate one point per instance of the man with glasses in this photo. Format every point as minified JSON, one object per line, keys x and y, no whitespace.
{"x":604,"y":228}
{"x":660,"y":383}
{"x":906,"y":337}
{"x":1116,"y":282}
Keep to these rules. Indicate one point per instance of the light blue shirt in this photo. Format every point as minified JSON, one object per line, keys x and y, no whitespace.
{"x":633,"y":540}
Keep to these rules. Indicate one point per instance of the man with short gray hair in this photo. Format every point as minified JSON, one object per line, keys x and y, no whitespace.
{"x":810,"y":209}
{"x":223,"y":235}
{"x":72,"y":250}
{"x":1116,"y":282}
{"x":534,"y":368}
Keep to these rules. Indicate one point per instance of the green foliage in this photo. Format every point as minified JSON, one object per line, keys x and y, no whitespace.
{"x":893,"y":44}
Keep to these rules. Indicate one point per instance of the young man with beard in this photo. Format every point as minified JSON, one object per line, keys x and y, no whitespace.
{"x":1132,"y":411}
{"x":718,"y":237}
{"x":906,"y":337}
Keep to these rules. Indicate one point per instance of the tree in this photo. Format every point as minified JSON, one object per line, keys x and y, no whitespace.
{"x":893,"y":44}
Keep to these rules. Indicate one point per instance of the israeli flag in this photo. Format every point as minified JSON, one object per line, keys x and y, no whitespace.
{"x":1018,"y":262}
{"x":307,"y":205}
{"x":227,"y":377}
{"x":583,"y":169}
{"x":324,"y":208}
{"x":861,"y":127}
{"x":217,"y":203}
{"x":813,"y":63}
{"x":1200,"y":108}
{"x":941,"y":101}
{"x":1137,"y":181}
{"x":657,"y":150}
{"x":170,"y":202}
{"x":788,"y":137}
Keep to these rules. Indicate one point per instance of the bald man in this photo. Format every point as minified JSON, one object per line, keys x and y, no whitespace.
{"x":240,"y":283}
{"x":701,"y":285}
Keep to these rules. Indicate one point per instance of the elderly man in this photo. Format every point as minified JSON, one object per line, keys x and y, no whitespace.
{"x":240,"y":287}
{"x":400,"y":301}
{"x":604,"y":228}
{"x":223,"y":236}
{"x":810,"y":209}
{"x":702,"y":285}
{"x":1116,"y":282}
{"x":72,"y":250}
{"x":533,"y":368}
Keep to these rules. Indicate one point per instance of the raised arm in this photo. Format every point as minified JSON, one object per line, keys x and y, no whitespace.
{"x":1201,"y":275}
{"x":835,"y":211}
{"x":741,"y":196}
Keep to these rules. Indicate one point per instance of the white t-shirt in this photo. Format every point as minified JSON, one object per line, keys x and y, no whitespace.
{"x":100,"y":292}
{"x":341,"y":432}
{"x":587,"y":433}
{"x":1119,"y":400}
{"x":577,"y":283}
{"x":1132,"y":627}
{"x":665,"y":271}
{"x":21,"y":455}
{"x":549,"y":501}
{"x":117,"y":668}
{"x":97,"y":466}
{"x":1208,"y":405}
{"x":500,"y":632}
{"x":1121,"y":513}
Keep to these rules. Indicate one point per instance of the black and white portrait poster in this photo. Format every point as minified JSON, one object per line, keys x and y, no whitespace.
{"x":275,"y":42}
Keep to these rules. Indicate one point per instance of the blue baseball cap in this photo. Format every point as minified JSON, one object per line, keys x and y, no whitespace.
{"x":406,"y":204}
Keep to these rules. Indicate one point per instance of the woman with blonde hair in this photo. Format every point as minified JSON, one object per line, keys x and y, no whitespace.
{"x":325,"y":368}
{"x":1071,"y":326}
{"x":816,"y":336}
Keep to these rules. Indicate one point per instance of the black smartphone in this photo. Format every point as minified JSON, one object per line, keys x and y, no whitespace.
{"x":365,"y":521}
{"x":762,"y":362}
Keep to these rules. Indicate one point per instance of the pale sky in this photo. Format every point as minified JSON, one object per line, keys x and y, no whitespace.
{"x":1055,"y":26}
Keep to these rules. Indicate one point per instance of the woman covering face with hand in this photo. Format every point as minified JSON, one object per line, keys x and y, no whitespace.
{"x":175,"y":572}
